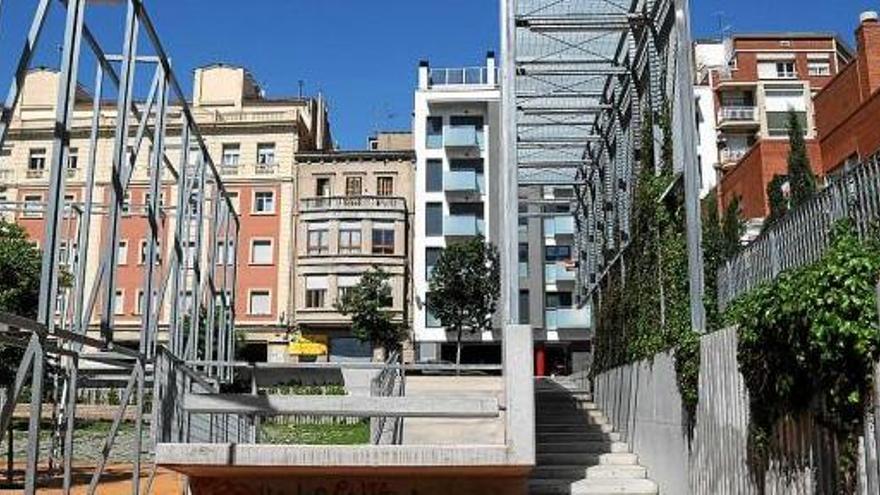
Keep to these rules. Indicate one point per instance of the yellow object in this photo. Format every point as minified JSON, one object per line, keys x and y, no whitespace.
{"x":308,"y":345}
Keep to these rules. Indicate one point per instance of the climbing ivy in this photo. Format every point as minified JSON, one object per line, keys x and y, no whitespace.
{"x":807,"y":342}
{"x":644,"y":305}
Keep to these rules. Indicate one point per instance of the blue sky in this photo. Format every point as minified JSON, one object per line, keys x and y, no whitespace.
{"x":363,"y":54}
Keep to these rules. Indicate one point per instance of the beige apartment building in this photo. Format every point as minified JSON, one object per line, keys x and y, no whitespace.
{"x":255,"y":141}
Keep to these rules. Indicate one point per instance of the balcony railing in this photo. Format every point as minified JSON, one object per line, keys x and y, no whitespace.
{"x":353,"y":203}
{"x":558,"y":226}
{"x":733,"y":155}
{"x":266,"y":168}
{"x":739,"y":114}
{"x":6,"y":174}
{"x":555,"y":273}
{"x":35,"y":173}
{"x":567,"y":318}
{"x":462,"y":225}
{"x":229,"y":169}
{"x":462,"y":136}
{"x":459,"y":76}
{"x":463,"y":181}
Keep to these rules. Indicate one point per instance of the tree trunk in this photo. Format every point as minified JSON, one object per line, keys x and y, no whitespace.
{"x":458,"y":353}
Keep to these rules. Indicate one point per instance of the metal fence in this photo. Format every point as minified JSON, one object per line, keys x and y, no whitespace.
{"x":802,"y":236}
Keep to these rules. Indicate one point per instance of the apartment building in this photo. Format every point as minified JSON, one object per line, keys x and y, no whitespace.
{"x":548,"y":300}
{"x":764,"y":77}
{"x":456,"y":136}
{"x":354,"y":214}
{"x":709,"y":55}
{"x":847,"y":109}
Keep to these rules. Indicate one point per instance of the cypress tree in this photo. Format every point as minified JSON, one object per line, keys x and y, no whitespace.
{"x":800,"y":175}
{"x":778,"y":204}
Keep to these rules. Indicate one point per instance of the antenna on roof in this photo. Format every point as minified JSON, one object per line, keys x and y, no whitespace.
{"x":301,"y":86}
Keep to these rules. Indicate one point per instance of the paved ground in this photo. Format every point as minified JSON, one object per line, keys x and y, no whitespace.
{"x":116,"y":481}
{"x":88,"y":442}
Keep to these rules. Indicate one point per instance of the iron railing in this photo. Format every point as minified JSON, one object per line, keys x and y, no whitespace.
{"x":802,"y":236}
{"x":353,"y":203}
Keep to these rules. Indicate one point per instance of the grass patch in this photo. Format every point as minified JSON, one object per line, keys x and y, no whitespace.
{"x":312,"y":434}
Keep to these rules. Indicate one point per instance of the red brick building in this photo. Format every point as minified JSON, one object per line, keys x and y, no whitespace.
{"x":848,"y":109}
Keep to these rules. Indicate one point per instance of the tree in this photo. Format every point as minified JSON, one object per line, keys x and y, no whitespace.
{"x":732,"y":230}
{"x":776,"y":199}
{"x":369,"y":305}
{"x":800,"y":175}
{"x":464,"y":288}
{"x":20,"y":264}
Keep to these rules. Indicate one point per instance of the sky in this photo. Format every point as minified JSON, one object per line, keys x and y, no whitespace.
{"x":362,"y":55}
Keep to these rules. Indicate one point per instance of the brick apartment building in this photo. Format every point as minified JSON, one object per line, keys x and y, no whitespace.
{"x":766,"y":76}
{"x":848,"y":109}
{"x":255,"y":141}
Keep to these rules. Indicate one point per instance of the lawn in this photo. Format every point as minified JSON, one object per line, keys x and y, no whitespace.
{"x":316,"y":434}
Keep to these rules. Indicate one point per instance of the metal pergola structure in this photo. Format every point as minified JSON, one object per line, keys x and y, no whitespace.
{"x":579,"y":77}
{"x":73,"y":341}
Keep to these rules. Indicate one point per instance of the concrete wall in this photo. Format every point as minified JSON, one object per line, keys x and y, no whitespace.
{"x":643,"y":403}
{"x":442,"y":431}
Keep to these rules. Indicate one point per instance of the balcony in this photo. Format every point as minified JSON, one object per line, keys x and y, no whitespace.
{"x":229,"y":169}
{"x":463,"y":181}
{"x":462,"y":226}
{"x":731,"y":156}
{"x":462,"y":136}
{"x":460,"y":76}
{"x":266,"y":169}
{"x":35,"y":173}
{"x":744,"y":116}
{"x":567,"y":318}
{"x":380,"y":203}
{"x":6,"y":174}
{"x":558,"y":226}
{"x":557,"y":273}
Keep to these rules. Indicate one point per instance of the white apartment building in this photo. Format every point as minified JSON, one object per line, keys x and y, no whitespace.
{"x":456,"y":134}
{"x":709,"y":55}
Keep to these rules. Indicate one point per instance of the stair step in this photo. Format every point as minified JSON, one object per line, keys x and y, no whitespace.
{"x":566,"y":403}
{"x":570,"y":413}
{"x":578,"y":436}
{"x":612,"y":471}
{"x":569,"y":427}
{"x":593,"y":447}
{"x":593,"y":487}
{"x":587,"y":459}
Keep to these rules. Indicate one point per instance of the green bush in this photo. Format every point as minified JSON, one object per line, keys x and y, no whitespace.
{"x":807,"y":342}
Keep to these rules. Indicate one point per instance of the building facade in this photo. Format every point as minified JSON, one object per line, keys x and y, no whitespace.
{"x":354,"y":214}
{"x":766,"y":76}
{"x":848,"y":107}
{"x":274,"y":155}
{"x":456,"y":135}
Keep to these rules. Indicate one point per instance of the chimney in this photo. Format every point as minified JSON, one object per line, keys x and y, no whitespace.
{"x":868,"y":57}
{"x":491,"y":69}
{"x":424,"y":76}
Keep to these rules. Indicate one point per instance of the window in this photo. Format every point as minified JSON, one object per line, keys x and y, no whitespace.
{"x":316,"y":291}
{"x":432,"y":254}
{"x":431,"y":319}
{"x":119,"y":302}
{"x":555,"y":300}
{"x":225,"y":252}
{"x":125,"y":209}
{"x":187,"y":301}
{"x":523,"y":259}
{"x":385,"y":186}
{"x":345,"y":283}
{"x":189,"y":253}
{"x":318,"y":239}
{"x":433,"y":219}
{"x":434,"y":133}
{"x":264,"y":202}
{"x":140,"y":303}
{"x":261,"y":252}
{"x":231,"y":154}
{"x":322,"y":187}
{"x":73,"y":158}
{"x":33,"y":206}
{"x":557,"y":253}
{"x":350,"y":238}
{"x":785,"y":70}
{"x":353,"y":186}
{"x":778,"y":103}
{"x":819,"y":68}
{"x":434,"y":176}
{"x":383,"y":238}
{"x":266,"y":153}
{"x":122,"y":253}
{"x":260,"y":303}
{"x":37,"y":160}
{"x":233,"y":198}
{"x":524,"y":313}
{"x":142,"y":255}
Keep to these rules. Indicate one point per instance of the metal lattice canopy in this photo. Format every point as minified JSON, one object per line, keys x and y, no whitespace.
{"x":566,"y":54}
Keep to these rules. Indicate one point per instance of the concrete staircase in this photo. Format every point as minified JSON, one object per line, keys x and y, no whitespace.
{"x":578,"y":451}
